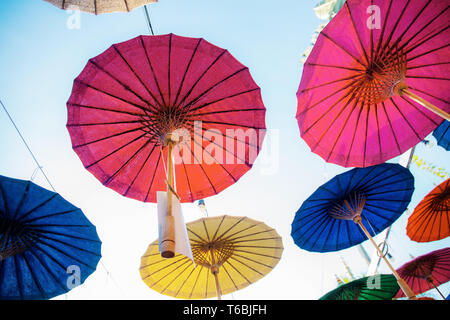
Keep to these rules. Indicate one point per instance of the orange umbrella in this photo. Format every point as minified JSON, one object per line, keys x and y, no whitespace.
{"x":430,"y":220}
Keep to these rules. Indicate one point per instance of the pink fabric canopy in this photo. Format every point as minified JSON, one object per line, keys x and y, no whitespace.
{"x":348,"y":112}
{"x":127,"y":99}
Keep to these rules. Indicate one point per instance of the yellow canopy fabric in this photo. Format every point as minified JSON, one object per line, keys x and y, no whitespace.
{"x":240,"y":249}
{"x":100,"y":6}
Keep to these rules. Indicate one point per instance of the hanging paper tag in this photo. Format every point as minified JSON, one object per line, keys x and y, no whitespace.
{"x":182,"y":244}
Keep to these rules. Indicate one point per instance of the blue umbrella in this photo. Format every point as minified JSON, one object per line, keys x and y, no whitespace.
{"x":442,"y":135}
{"x":353,"y":207}
{"x":47,"y":245}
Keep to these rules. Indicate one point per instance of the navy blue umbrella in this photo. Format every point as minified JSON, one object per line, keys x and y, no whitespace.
{"x":47,"y":245}
{"x":442,"y":135}
{"x":353,"y":207}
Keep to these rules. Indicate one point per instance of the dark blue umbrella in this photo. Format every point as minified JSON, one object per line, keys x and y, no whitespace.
{"x":47,"y":245}
{"x":353,"y":207}
{"x":442,"y":135}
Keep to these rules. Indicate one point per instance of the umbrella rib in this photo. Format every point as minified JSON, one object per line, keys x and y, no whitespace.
{"x":186,"y":71}
{"x":333,"y":66}
{"x":394,"y":28}
{"x":189,"y":104}
{"x":105,"y":109}
{"x":201,"y":76}
{"x":66,"y":254}
{"x":228,"y":111}
{"x":204,"y":172}
{"x":233,"y":257}
{"x":153,"y":177}
{"x":110,"y":95}
{"x":343,"y":49}
{"x":229,"y":276}
{"x":104,"y":123}
{"x":109,"y":137}
{"x":33,"y":276}
{"x":392,"y":129}
{"x":329,"y":109}
{"x":191,"y":111}
{"x":224,"y":135}
{"x":152,"y":71}
{"x":116,"y":150}
{"x":18,"y":278}
{"x":252,"y":260}
{"x":47,"y":237}
{"x":380,"y":40}
{"x":22,"y":200}
{"x":423,"y":41}
{"x":206,"y":230}
{"x":202,"y":240}
{"x":138,"y":78}
{"x":218,"y":227}
{"x":309,"y":107}
{"x":406,"y":120}
{"x":357,"y":34}
{"x":409,"y":26}
{"x":49,"y":215}
{"x":221,"y":165}
{"x":420,"y":111}
{"x":225,"y":124}
{"x":427,"y":52}
{"x":48,"y":269}
{"x":437,"y":98}
{"x":113,"y":176}
{"x":188,"y":181}
{"x":240,"y":273}
{"x":353,"y":138}
{"x":423,"y":28}
{"x":168,"y":69}
{"x":139,"y":171}
{"x":355,"y":77}
{"x":44,"y":203}
{"x":427,"y":65}
{"x":184,"y":282}
{"x":230,"y":228}
{"x":250,"y":234}
{"x":43,"y":231}
{"x":427,"y":77}
{"x":127,"y":88}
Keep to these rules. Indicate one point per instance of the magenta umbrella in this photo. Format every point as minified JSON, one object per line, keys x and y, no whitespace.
{"x":376,"y":82}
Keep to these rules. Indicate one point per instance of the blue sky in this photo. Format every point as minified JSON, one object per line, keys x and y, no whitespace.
{"x":40,"y":57}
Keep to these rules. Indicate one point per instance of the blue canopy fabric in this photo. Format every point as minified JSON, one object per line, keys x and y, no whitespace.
{"x":387,"y":189}
{"x":442,"y":135}
{"x":47,"y":245}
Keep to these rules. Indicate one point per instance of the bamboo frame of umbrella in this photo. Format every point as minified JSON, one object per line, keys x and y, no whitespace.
{"x":353,"y":212}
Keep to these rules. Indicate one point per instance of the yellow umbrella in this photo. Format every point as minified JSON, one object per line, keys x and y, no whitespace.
{"x":100,"y":6}
{"x":230,"y":253}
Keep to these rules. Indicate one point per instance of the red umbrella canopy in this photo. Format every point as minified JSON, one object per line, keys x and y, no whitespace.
{"x":427,"y":271}
{"x":352,"y":109}
{"x":128,"y":99}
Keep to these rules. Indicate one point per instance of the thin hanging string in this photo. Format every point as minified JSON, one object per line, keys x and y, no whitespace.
{"x":27,"y":146}
{"x":40,"y":168}
{"x":148,"y":20}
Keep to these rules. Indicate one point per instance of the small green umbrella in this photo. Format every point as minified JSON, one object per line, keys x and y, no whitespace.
{"x":377,"y":287}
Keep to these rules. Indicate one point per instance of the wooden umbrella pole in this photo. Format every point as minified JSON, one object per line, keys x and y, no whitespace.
{"x":403,"y":285}
{"x":215,"y":271}
{"x":167,"y":243}
{"x":402,"y":89}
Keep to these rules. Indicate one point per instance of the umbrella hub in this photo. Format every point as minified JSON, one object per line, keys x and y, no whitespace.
{"x":381,"y":78}
{"x":349,"y":207}
{"x":212,"y":254}
{"x":15,"y":237}
{"x":163,"y":122}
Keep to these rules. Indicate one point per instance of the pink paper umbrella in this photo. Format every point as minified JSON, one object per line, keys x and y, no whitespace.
{"x":376,"y":82}
{"x":158,"y":98}
{"x":426,"y":272}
